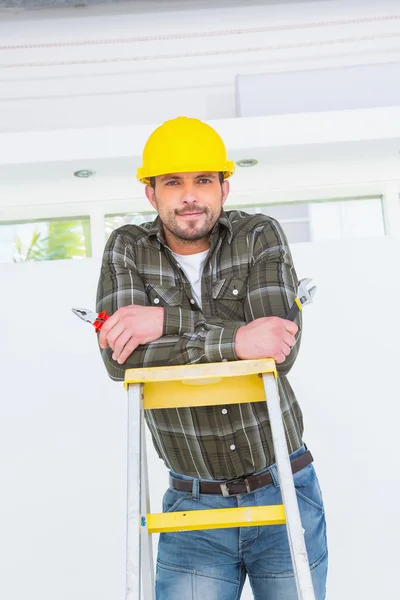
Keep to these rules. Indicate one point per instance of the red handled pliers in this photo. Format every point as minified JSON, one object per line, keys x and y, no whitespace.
{"x":89,"y":316}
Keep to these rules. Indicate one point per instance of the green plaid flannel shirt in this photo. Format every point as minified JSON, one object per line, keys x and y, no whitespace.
{"x":248,"y":274}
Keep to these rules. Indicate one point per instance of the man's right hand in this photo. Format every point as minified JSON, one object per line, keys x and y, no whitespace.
{"x":267,"y":337}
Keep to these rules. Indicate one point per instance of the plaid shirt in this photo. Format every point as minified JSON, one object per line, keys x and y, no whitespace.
{"x":248,"y":274}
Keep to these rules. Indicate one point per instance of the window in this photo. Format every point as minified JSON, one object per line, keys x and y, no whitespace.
{"x":53,"y":239}
{"x":324,"y":220}
{"x":301,"y":221}
{"x":112,"y":222}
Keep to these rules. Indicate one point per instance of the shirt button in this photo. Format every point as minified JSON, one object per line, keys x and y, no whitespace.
{"x":192,"y":301}
{"x":232,"y":447}
{"x":235,"y":292}
{"x":224,"y":411}
{"x":156,"y":300}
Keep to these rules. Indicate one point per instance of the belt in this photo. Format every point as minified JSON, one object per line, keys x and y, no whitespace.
{"x":239,"y":486}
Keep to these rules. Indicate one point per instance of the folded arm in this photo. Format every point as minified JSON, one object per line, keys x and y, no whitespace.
{"x":172,"y":335}
{"x":183,"y":338}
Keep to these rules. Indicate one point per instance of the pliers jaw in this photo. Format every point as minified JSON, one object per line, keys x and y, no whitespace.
{"x":85,"y":314}
{"x":97,"y":320}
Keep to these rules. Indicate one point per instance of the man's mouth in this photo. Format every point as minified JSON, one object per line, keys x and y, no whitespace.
{"x":191,"y":214}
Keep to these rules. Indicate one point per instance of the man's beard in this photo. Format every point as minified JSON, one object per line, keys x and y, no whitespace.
{"x":192,"y":232}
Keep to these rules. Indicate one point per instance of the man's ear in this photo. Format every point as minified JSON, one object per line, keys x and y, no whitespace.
{"x":151,"y":196}
{"x":225,"y":191}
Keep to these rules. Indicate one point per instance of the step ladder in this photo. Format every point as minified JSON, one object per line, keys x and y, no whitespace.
{"x":204,"y":384}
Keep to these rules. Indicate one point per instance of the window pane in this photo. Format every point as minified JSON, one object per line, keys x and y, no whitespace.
{"x":283,"y":212}
{"x":54,"y":239}
{"x":297,"y":232}
{"x":112,"y":222}
{"x":324,"y":220}
{"x":347,"y":219}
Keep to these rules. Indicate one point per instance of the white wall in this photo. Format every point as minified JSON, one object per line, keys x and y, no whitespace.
{"x":63,"y":427}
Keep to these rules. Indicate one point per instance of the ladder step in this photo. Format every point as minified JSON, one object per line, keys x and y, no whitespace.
{"x":216,"y":519}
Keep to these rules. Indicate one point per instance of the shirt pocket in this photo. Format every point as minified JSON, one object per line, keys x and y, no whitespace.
{"x":160,"y":295}
{"x":229,"y":295}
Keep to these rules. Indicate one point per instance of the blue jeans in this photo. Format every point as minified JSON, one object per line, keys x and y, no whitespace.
{"x":213,"y":564}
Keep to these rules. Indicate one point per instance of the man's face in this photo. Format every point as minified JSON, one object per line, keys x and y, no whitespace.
{"x":189,"y":204}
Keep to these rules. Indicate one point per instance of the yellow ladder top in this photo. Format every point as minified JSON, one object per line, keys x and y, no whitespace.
{"x":208,"y":384}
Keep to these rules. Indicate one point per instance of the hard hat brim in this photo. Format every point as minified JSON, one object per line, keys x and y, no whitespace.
{"x":228,"y":170}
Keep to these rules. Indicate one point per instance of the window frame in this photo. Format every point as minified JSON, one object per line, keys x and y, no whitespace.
{"x":97,"y":208}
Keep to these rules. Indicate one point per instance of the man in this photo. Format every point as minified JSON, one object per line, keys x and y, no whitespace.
{"x":203,"y":285}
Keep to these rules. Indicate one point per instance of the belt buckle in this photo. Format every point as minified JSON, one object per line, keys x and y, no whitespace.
{"x":225,"y":487}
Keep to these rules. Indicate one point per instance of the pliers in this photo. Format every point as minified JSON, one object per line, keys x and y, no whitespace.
{"x":89,"y":316}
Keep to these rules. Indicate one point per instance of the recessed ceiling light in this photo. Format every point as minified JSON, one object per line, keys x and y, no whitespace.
{"x":247,"y":162}
{"x":84,"y":173}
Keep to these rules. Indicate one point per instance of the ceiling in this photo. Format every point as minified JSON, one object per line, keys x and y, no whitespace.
{"x":125,"y":167}
{"x":37,"y":4}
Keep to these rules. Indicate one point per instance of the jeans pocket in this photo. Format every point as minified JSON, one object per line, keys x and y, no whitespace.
{"x":173,"y":499}
{"x":308,"y":489}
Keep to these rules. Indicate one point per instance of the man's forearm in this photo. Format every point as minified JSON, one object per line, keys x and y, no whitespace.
{"x":211,"y":344}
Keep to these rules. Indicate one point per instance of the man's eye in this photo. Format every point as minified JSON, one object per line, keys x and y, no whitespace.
{"x":173,"y":182}
{"x":204,"y":180}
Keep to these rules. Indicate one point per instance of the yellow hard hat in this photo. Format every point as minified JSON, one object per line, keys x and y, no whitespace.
{"x":184,"y":145}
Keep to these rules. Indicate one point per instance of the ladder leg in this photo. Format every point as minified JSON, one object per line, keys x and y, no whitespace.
{"x":298,"y":551}
{"x":146,"y":545}
{"x":133,"y":584}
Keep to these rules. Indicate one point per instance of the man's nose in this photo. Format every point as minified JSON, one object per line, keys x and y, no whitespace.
{"x":189,"y":195}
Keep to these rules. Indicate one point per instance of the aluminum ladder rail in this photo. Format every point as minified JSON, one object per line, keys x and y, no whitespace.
{"x":210,"y":384}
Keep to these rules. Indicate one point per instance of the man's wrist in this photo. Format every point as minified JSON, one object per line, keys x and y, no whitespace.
{"x":160,"y":319}
{"x":240,"y":343}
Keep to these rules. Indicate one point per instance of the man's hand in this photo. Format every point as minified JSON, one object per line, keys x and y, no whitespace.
{"x":129,"y":327}
{"x":267,"y":337}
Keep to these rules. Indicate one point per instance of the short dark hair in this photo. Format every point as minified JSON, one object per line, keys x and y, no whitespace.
{"x":153,"y":180}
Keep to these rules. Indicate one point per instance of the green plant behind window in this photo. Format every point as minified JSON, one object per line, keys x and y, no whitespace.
{"x":62,"y":240}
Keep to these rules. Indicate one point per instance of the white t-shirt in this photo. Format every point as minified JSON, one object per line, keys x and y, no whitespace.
{"x":192,"y":265}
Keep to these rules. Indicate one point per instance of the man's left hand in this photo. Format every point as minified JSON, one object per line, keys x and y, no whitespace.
{"x":129,"y":327}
